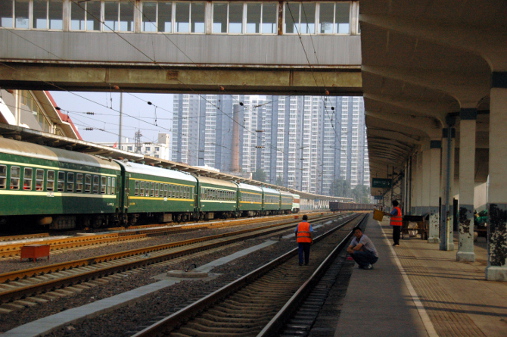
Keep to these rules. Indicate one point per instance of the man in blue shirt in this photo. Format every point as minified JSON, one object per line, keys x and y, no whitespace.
{"x":362,"y":250}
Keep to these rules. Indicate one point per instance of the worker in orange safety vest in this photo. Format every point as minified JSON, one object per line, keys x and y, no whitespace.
{"x":396,"y":222}
{"x":304,"y":238}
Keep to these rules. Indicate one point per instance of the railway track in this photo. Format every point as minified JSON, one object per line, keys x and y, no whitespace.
{"x":9,"y":250}
{"x":261,"y":302}
{"x":19,"y":285}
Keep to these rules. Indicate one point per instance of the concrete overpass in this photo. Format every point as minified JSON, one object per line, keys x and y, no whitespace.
{"x":282,"y":61}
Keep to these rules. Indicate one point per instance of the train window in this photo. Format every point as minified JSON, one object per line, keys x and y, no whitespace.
{"x":88,"y":183}
{"x":113,"y":185}
{"x":166,"y":190}
{"x":51,"y":181}
{"x":27,"y":178}
{"x":79,"y":182}
{"x":136,"y":187}
{"x":39,"y":179}
{"x":152,"y":189}
{"x":108,"y":185}
{"x":70,"y":182}
{"x":3,"y":176}
{"x":141,"y":191}
{"x":15,"y":173}
{"x":103,"y":185}
{"x":157,"y":189}
{"x":61,"y":181}
{"x":95,"y":184}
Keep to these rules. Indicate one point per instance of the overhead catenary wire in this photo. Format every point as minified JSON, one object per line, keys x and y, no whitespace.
{"x":192,"y":61}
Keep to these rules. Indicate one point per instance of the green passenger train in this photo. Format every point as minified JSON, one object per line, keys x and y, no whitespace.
{"x":60,"y":189}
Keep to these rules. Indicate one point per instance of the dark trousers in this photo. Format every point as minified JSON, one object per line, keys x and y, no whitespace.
{"x":396,"y":234}
{"x":304,"y":249}
{"x":364,"y":258}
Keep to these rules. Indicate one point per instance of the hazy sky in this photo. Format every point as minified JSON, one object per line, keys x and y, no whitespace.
{"x":137,"y":114}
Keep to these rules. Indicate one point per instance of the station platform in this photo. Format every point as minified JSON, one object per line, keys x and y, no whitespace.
{"x":415,"y":289}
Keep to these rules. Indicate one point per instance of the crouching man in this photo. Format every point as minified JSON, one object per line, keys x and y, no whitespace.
{"x":362,"y":250}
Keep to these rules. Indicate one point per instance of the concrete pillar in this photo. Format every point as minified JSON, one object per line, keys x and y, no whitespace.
{"x":413,"y":195}
{"x":434,"y":184}
{"x":466,"y":185}
{"x":417,"y":184}
{"x":497,"y":193}
{"x":425,"y":181}
{"x":446,"y":217}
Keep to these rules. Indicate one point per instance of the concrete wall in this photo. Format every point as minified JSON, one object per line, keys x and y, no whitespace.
{"x":265,"y":50}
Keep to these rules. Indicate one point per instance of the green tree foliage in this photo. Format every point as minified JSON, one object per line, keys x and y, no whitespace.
{"x":361,"y":194}
{"x":340,"y":188}
{"x":259,"y":175}
{"x":279,"y":181}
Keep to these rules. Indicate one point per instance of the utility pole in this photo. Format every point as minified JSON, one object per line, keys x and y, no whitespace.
{"x":121,"y":119}
{"x":138,"y":141}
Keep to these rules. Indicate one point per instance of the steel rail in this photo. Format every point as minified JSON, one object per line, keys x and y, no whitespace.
{"x":33,"y":289}
{"x":173,"y":321}
{"x":11,"y":250}
{"x":287,"y":311}
{"x":23,"y":237}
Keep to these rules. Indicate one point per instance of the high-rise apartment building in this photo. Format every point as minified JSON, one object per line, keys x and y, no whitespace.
{"x":302,"y":142}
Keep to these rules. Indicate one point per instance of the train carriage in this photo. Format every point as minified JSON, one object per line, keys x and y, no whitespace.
{"x":217,"y":198}
{"x":249,"y":199}
{"x":159,"y":194}
{"x":271,"y":201}
{"x":56,"y":188}
{"x":286,"y":200}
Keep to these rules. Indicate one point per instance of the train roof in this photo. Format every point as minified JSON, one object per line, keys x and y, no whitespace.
{"x":249,"y":187}
{"x":270,"y":190}
{"x":219,"y":182}
{"x":286,"y":193}
{"x":14,"y":147}
{"x":156,"y":171}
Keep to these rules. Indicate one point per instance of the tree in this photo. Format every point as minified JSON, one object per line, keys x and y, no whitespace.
{"x":340,"y":188}
{"x":361,"y":194}
{"x":279,"y":181}
{"x":259,"y":175}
